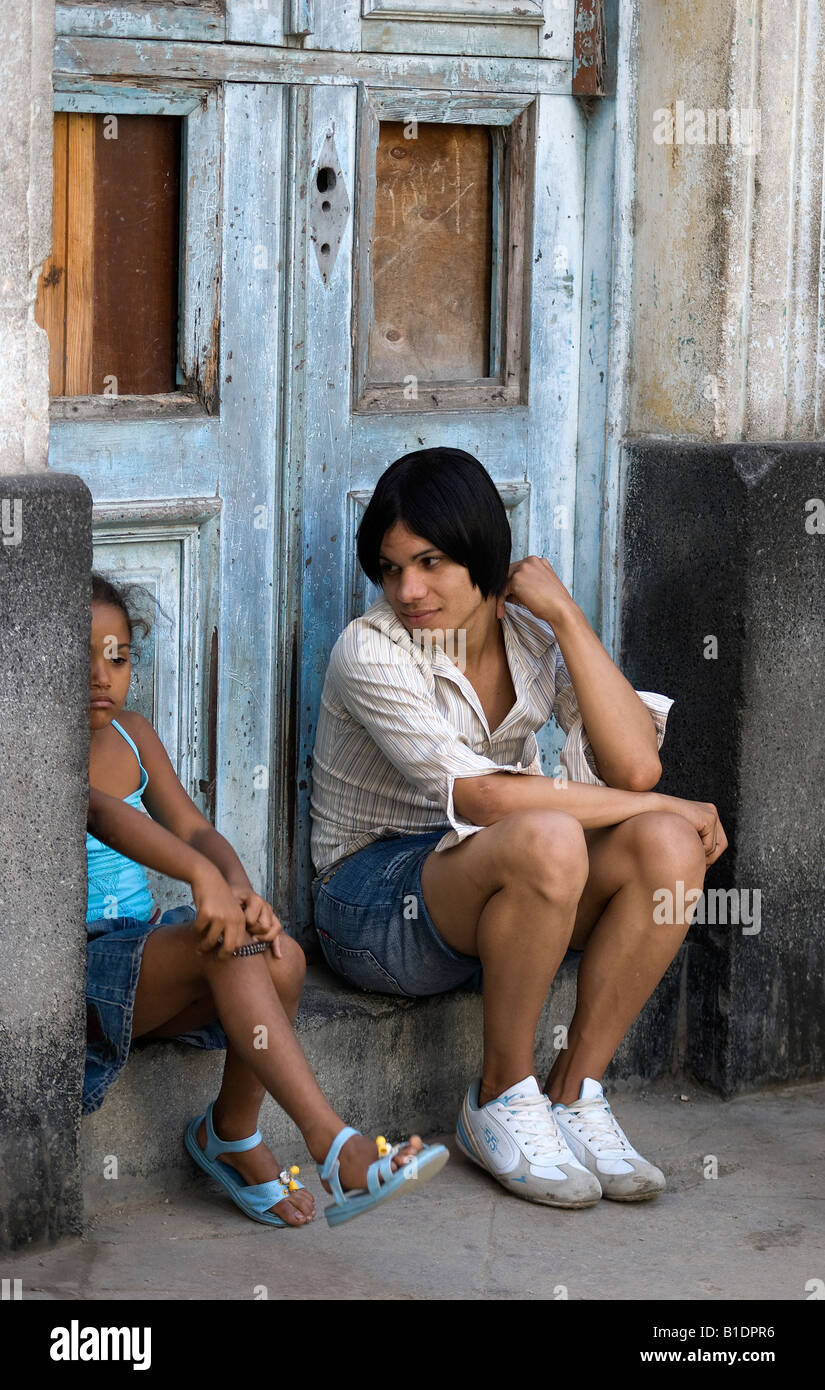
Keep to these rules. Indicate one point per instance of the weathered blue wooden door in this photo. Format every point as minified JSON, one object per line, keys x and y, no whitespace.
{"x":381,"y":248}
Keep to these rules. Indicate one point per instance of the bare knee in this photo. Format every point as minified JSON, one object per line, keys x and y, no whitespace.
{"x":664,"y":843}
{"x":288,"y":972}
{"x":546,"y":850}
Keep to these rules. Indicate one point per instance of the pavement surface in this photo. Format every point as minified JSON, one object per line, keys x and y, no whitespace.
{"x":755,"y":1231}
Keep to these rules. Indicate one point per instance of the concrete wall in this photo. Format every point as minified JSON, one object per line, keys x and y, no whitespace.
{"x":726,"y":334}
{"x":25,"y":229}
{"x":45,"y":557}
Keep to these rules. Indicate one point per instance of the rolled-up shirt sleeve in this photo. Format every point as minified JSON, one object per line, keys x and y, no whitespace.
{"x":391,"y":693}
{"x":577,"y":756}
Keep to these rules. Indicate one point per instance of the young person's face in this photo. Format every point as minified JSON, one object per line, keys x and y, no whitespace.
{"x":427,"y":589}
{"x":111,"y":669}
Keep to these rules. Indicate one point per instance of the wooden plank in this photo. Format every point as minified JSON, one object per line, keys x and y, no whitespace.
{"x":426,"y":36}
{"x":401,"y":104}
{"x":205,"y":22}
{"x":163,"y":405}
{"x":139,"y":458}
{"x":556,"y":34}
{"x":367,"y":147}
{"x":156,"y":511}
{"x":249,"y":371}
{"x":200,"y":248}
{"x":316,"y":471}
{"x":589,"y":51}
{"x":431,"y":254}
{"x":255,"y":21}
{"x":521,"y":173}
{"x":496,"y":437}
{"x":80,"y":255}
{"x":233,"y":62}
{"x":136,"y":209}
{"x":298,"y":155}
{"x":335,"y":26}
{"x":458,"y":11}
{"x":554,"y":330}
{"x":50,"y":308}
{"x":299,"y":18}
{"x":593,"y":369}
{"x":105,"y":97}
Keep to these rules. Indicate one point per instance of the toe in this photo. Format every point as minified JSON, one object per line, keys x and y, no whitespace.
{"x":413,"y":1146}
{"x":290,"y":1212}
{"x":304,"y":1201}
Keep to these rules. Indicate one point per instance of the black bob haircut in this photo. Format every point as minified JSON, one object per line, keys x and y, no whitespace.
{"x":448,"y":498}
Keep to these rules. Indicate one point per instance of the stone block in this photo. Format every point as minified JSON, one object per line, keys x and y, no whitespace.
{"x":720,"y":542}
{"x":45,"y":560}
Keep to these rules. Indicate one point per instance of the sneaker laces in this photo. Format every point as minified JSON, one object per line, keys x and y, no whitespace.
{"x":534,"y":1122}
{"x":603,"y":1128}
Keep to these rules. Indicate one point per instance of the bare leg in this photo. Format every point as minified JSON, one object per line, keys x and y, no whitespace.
{"x":509,"y":896}
{"x":236,"y":1109}
{"x":173,"y":976}
{"x":625,"y":952}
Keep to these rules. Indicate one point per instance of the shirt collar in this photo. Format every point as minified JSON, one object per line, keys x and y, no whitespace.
{"x":527,"y":640}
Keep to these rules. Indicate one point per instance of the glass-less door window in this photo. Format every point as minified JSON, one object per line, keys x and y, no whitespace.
{"x":441,"y":245}
{"x":108,"y":295}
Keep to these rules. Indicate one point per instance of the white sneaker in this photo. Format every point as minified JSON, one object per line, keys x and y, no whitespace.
{"x":596,"y":1138}
{"x":515,"y":1138}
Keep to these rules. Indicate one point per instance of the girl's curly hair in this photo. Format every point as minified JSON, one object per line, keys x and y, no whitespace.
{"x":120,"y":596}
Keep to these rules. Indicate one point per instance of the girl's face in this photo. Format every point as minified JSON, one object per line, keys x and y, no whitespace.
{"x":111,"y":668}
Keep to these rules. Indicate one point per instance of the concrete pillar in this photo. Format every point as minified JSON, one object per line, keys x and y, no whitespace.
{"x":724,"y":609}
{"x":45,"y":558}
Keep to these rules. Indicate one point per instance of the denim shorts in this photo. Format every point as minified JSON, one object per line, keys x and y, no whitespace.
{"x":374,"y":927}
{"x":114,"y":949}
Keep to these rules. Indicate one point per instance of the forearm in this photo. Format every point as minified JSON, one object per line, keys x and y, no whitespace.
{"x":619,"y":726}
{"x":219,"y":851}
{"x":136,"y":835}
{"x":487,"y":799}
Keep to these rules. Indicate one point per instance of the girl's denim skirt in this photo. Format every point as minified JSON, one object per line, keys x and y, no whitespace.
{"x":114,"y":948}
{"x":374,"y":927}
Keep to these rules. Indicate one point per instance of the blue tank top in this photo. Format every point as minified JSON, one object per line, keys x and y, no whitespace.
{"x":118,"y":887}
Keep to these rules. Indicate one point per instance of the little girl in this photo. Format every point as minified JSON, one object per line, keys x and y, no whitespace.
{"x":221,"y":974}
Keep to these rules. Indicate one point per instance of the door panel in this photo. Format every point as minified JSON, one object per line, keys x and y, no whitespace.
{"x":514,"y":28}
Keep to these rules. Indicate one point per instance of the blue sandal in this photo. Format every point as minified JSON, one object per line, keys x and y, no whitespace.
{"x":383,"y":1183}
{"x":254,"y":1200}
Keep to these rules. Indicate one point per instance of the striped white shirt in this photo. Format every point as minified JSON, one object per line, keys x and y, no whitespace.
{"x":399,"y":722}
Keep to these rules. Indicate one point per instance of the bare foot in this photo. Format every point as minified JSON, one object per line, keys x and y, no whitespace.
{"x":258,"y":1165}
{"x":359,"y":1152}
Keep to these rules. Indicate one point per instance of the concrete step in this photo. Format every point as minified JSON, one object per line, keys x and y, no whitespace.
{"x":387,"y":1065}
